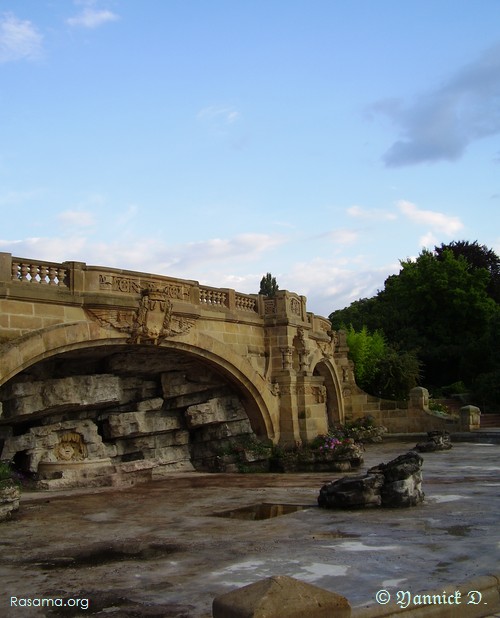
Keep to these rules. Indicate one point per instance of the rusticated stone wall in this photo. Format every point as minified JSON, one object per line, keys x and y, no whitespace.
{"x":100,"y":428}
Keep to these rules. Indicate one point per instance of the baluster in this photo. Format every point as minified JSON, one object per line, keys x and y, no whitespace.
{"x":61,"y":277}
{"x":43,"y":274}
{"x":33,"y":273}
{"x":52,"y":275}
{"x":24,"y":272}
{"x":15,"y":271}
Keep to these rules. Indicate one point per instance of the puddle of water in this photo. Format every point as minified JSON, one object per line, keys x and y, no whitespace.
{"x":450,"y":498}
{"x":392,"y":583}
{"x":317,"y":570}
{"x":336,"y":534}
{"x":358,"y":546}
{"x":482,"y":468}
{"x":459,"y":530}
{"x":257,"y":512}
{"x":105,"y":554}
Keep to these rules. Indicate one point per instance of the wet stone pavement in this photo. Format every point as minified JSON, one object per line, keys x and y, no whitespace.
{"x":168,"y":548}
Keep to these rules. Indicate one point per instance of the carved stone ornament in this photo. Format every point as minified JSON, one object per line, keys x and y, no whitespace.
{"x":326,"y":348}
{"x":71,"y":447}
{"x":152,"y":322}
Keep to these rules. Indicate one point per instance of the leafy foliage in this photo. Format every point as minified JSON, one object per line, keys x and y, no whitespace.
{"x":380,"y":369}
{"x":477,"y":256}
{"x":268,"y":285}
{"x":444,"y":308}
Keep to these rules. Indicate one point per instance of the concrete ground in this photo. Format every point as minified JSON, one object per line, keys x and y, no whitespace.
{"x":159,"y":550}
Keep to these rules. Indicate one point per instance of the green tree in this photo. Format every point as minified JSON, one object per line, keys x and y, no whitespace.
{"x":365,"y":350}
{"x":441,"y":308}
{"x":268,"y":285}
{"x":477,"y":256}
{"x":380,"y":369}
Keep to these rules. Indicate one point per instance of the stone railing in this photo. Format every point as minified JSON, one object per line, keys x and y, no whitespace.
{"x":76,"y":281}
{"x":213,"y":297}
{"x":45,"y":273}
{"x":79,"y":278}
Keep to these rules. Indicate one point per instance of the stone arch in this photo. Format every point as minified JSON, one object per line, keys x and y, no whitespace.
{"x":41,"y":345}
{"x":334,"y":401}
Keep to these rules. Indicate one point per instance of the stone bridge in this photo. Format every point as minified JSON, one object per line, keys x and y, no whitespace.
{"x":106,"y":364}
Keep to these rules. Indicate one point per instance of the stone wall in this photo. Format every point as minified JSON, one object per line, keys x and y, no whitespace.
{"x":411,"y":416}
{"x":142,"y":420}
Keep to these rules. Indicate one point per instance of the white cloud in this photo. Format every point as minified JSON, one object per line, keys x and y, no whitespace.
{"x":128,"y":215}
{"x":329,"y":287}
{"x":437,"y":221}
{"x":79,"y":218}
{"x":19,"y":40}
{"x":440,"y":124}
{"x":47,"y":249}
{"x":343,"y":236}
{"x":243,"y":246}
{"x":190,"y":260}
{"x":429,"y":240}
{"x":19,"y":197}
{"x":226,"y":114}
{"x":90,"y":17}
{"x":371,"y":213}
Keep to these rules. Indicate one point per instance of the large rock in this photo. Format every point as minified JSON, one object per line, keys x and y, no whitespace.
{"x":402,"y":480}
{"x":436,"y":441}
{"x":352,"y":492}
{"x":10,"y":495}
{"x":397,"y":483}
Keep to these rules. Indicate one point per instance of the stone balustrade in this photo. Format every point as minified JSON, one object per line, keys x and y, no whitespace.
{"x":45,"y":273}
{"x":74,"y":279}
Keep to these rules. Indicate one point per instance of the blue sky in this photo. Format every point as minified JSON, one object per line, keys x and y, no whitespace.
{"x":217,"y":140}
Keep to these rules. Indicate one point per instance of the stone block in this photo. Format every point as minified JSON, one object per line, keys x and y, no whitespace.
{"x":193,"y":380}
{"x":25,"y":322}
{"x":470,"y":418}
{"x":280,"y":597}
{"x":221,"y":431}
{"x":72,"y":393}
{"x":16,"y":307}
{"x":217,"y":410}
{"x":48,"y":310}
{"x":129,"y":424}
{"x":150,"y":404}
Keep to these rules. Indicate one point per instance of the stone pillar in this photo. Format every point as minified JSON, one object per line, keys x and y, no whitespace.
{"x":470,"y":418}
{"x":5,"y":267}
{"x":77,"y":275}
{"x":419,"y":398}
{"x":289,"y":422}
{"x":311,"y":401}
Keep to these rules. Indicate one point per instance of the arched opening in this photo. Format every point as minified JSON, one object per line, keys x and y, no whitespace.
{"x":137,"y":409}
{"x":334,"y":409}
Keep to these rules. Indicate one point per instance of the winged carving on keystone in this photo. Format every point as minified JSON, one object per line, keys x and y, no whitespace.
{"x":152,"y":322}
